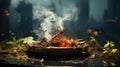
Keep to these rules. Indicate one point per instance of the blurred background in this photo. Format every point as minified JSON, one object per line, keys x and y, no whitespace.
{"x":80,"y":19}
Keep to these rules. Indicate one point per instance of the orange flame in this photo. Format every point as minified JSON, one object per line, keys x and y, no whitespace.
{"x":65,"y":42}
{"x":62,"y":40}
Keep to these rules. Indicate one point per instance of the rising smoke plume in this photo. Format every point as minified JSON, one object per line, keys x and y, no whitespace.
{"x":51,"y":15}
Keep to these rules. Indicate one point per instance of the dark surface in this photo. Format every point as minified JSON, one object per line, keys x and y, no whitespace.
{"x":52,"y":57}
{"x":46,"y":63}
{"x":74,"y":62}
{"x":56,"y":53}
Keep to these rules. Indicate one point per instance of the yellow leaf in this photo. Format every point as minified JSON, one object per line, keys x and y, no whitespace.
{"x":114,"y":50}
{"x":113,"y":64}
{"x":42,"y":60}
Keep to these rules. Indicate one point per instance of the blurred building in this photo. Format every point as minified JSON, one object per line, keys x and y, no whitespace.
{"x":4,"y":19}
{"x":112,"y":21}
{"x":83,"y":16}
{"x":83,"y":6}
{"x":114,"y":8}
{"x":112,"y":15}
{"x":26,"y":16}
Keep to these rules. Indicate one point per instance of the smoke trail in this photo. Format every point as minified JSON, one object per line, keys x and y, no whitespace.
{"x":51,"y":15}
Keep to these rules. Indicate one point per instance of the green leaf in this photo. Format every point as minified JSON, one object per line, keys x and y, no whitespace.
{"x":28,"y":40}
{"x":10,"y":42}
{"x":107,"y":44}
{"x":20,"y":40}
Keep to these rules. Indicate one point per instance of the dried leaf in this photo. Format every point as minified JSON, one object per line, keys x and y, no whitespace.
{"x":114,"y":50}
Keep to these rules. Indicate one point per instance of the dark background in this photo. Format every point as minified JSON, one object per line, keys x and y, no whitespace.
{"x":100,"y":15}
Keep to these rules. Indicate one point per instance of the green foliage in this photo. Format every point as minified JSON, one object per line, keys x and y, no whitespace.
{"x":2,"y":44}
{"x":15,"y":45}
{"x":109,"y":44}
{"x":28,"y":40}
{"x":14,"y":42}
{"x":20,"y":41}
{"x":110,"y":54}
{"x":94,"y":44}
{"x":109,"y":48}
{"x":92,"y":39}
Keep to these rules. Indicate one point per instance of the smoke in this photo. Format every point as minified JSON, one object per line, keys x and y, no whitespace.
{"x":51,"y":15}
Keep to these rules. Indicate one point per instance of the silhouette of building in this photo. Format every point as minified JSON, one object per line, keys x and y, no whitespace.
{"x":4,"y":19}
{"x":83,"y":16}
{"x":112,"y":21}
{"x":26,"y":16}
{"x":114,"y":8}
{"x":112,"y":15}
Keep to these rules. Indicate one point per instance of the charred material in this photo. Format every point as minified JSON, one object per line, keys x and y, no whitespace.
{"x":59,"y":47}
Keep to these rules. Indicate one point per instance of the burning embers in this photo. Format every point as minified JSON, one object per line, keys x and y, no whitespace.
{"x":65,"y":42}
{"x":60,"y":47}
{"x":60,"y":40}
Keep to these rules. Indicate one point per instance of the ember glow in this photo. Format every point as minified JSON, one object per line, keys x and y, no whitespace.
{"x":65,"y":42}
{"x":93,"y":32}
{"x":6,"y":13}
{"x":62,"y":40}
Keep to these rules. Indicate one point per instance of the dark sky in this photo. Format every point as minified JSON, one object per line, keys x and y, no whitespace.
{"x":97,"y":8}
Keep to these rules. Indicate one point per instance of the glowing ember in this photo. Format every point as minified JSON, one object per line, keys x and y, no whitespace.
{"x":7,"y":13}
{"x":90,"y":31}
{"x":60,"y":40}
{"x":64,"y":42}
{"x":93,"y":32}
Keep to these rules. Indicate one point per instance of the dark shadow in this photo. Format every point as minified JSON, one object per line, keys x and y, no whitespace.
{"x":4,"y":19}
{"x":26,"y":16}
